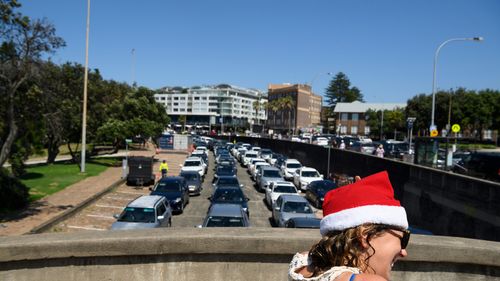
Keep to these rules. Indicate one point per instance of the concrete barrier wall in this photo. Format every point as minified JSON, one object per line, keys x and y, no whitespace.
{"x":218,"y":254}
{"x":441,"y":202}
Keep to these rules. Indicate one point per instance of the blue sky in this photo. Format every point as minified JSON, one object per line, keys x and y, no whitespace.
{"x":385,"y":47}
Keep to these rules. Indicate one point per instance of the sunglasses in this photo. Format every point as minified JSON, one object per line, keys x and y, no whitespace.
{"x":404,"y":239}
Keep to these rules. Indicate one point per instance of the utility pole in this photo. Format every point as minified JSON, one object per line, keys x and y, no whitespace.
{"x":85,"y":82}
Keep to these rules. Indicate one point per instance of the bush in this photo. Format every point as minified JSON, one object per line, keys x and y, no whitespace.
{"x":13,"y":194}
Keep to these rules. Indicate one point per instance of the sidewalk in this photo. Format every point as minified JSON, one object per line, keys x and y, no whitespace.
{"x":50,"y":207}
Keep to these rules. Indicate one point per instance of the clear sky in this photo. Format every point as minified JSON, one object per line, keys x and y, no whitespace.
{"x":385,"y":47}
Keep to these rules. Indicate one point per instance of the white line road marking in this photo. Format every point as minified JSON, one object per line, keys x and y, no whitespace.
{"x":101,"y":217}
{"x":86,"y":228}
{"x":108,"y":206}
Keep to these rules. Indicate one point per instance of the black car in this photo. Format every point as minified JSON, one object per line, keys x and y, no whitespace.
{"x":176,"y":191}
{"x":224,"y":171}
{"x":226,"y":181}
{"x":317,"y":190}
{"x":230,"y":195}
{"x":193,"y":180}
{"x":300,"y":222}
{"x":485,"y":165}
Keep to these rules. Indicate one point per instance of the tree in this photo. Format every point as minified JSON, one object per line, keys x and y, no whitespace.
{"x":288,"y":104}
{"x":340,"y":90}
{"x":274,"y":107}
{"x":23,"y":43}
{"x":257,"y":106}
{"x":182,"y":120}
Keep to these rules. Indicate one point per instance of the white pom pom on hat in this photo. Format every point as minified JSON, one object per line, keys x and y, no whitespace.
{"x":369,"y":200}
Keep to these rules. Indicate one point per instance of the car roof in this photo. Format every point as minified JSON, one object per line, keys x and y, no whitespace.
{"x":171,"y":178}
{"x":184,"y":172}
{"x":225,"y":210}
{"x":145,"y":201}
{"x":292,"y":161}
{"x":308,"y":169}
{"x":193,"y":158}
{"x":284,"y":183}
{"x":292,"y":198}
{"x":270,"y":168}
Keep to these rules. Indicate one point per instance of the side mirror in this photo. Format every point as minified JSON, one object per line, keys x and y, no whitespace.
{"x":321,"y":176}
{"x":160,"y":217}
{"x":242,"y":186}
{"x":116,"y":216}
{"x":180,"y":165}
{"x":247,"y":199}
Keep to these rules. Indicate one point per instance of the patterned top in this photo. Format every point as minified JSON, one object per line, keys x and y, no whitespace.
{"x":301,"y":260}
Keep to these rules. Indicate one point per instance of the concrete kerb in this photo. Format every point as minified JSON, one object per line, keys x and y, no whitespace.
{"x":68,"y":213}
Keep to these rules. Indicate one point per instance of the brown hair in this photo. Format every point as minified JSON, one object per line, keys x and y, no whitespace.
{"x":344,"y":248}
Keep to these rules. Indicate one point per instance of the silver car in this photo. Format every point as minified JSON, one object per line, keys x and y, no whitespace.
{"x":268,"y":175}
{"x":291,"y":206}
{"x":226,"y":215}
{"x":148,"y":211}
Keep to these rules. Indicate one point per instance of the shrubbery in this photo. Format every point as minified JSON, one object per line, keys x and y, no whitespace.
{"x":13,"y":193}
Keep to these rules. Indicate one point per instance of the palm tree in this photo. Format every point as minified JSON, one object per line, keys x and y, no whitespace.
{"x":289,"y":104}
{"x":257,"y":106}
{"x":274,"y":107}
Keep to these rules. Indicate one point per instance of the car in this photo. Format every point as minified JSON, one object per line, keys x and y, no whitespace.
{"x":225,"y":170}
{"x":226,"y":215}
{"x":194,"y":164}
{"x":252,"y":163}
{"x":304,"y":175}
{"x":193,"y":181}
{"x":226,"y":181}
{"x":229,"y":194}
{"x":485,"y":165}
{"x":272,"y":159}
{"x":147,"y":211}
{"x":320,"y":141}
{"x":268,"y":175}
{"x":248,"y":155}
{"x":317,"y":190}
{"x":275,"y":189}
{"x":303,"y":223}
{"x":289,"y":206}
{"x":266,"y":153}
{"x":289,"y":167}
{"x":176,"y":191}
{"x":363,"y":147}
{"x":394,"y":149}
{"x":201,"y":154}
{"x":255,"y":168}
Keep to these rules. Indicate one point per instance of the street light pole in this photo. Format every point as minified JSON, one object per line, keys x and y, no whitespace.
{"x":433,"y":125}
{"x":85,"y":82}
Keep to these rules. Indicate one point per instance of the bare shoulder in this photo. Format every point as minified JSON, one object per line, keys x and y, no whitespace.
{"x":368,"y":277}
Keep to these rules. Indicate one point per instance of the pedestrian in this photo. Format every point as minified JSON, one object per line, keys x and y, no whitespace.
{"x":364,"y":232}
{"x":164,"y":168}
{"x":342,"y":144}
{"x":380,"y":151}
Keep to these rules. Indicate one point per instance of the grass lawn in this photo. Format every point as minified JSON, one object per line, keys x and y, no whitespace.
{"x":48,"y":179}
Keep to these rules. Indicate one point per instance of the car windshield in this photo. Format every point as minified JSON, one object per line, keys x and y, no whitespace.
{"x":297,"y":207}
{"x":192,"y":163}
{"x":144,"y":215}
{"x":272,"y":174}
{"x":250,"y":155}
{"x":190,"y":177}
{"x":227,"y":170}
{"x":325,"y":186}
{"x":168,"y":186}
{"x":228,"y":181}
{"x":224,"y":222}
{"x":285,"y":189}
{"x":228,"y":195}
{"x":265,"y":151}
{"x":293,"y":165}
{"x":310,"y":174}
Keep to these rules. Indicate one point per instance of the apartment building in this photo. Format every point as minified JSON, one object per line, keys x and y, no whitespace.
{"x":350,"y":116}
{"x":305,"y":112}
{"x":224,"y":106}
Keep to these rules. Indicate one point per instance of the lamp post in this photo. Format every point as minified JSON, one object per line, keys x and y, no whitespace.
{"x":433,"y":125}
{"x":85,"y":82}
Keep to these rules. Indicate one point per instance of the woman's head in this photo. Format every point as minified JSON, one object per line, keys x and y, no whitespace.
{"x":363,"y":226}
{"x":373,"y":248}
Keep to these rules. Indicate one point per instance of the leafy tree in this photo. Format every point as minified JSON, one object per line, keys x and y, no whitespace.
{"x":288,"y":104}
{"x":22,"y":44}
{"x":340,"y":90}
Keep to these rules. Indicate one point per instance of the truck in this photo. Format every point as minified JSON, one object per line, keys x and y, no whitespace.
{"x":140,"y":171}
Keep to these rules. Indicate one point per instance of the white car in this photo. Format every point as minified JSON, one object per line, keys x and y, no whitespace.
{"x":275,"y":189}
{"x":253,"y":171}
{"x":249,"y":155}
{"x":252,"y":163}
{"x":194,"y":164}
{"x":289,"y":167}
{"x":305,"y":175}
{"x":321,"y":141}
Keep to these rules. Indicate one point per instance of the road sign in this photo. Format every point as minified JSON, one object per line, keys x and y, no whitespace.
{"x":434,"y":133}
{"x":128,"y":140}
{"x":455,"y":128}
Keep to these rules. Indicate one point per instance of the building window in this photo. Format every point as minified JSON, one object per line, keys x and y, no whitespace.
{"x":354,"y":130}
{"x":367,"y":130}
{"x":343,"y":129}
{"x":487,"y":134}
{"x":196,"y":98}
{"x":355,"y":117}
{"x":344,"y":116}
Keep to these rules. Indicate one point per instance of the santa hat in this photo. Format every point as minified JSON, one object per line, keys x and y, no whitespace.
{"x":370,"y":200}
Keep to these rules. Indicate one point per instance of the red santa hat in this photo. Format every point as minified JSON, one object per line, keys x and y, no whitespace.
{"x":370,"y":200}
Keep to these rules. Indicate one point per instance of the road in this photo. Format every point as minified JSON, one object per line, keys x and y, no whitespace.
{"x":99,"y":215}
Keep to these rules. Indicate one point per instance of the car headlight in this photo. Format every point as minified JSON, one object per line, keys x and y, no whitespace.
{"x":245,"y":209}
{"x":177,"y":200}
{"x":191,"y":186}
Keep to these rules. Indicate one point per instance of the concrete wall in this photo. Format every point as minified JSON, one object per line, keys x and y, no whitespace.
{"x":218,"y":254}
